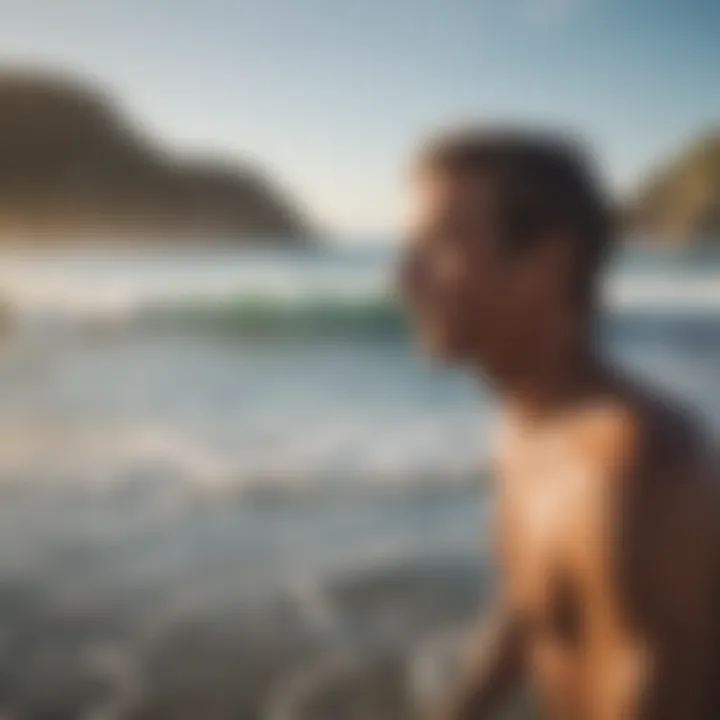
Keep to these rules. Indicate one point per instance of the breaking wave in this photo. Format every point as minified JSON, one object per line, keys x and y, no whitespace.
{"x":337,"y":294}
{"x":372,"y":315}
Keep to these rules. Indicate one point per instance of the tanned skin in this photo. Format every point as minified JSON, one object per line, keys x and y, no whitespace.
{"x":607,"y":523}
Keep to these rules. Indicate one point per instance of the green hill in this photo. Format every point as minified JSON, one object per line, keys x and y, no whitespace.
{"x":681,"y":201}
{"x":72,"y":163}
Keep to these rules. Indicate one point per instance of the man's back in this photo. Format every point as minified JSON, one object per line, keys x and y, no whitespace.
{"x":609,"y":534}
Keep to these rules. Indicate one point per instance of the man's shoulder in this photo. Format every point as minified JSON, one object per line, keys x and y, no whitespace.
{"x":640,"y":432}
{"x":656,"y":468}
{"x":632,"y":434}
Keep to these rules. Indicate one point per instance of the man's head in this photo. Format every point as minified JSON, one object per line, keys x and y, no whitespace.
{"x":507,"y":233}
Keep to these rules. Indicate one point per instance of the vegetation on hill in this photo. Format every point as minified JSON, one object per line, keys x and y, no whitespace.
{"x":72,"y":163}
{"x":681,"y":200}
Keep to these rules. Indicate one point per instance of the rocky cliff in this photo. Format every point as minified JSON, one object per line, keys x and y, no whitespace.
{"x":71,"y":162}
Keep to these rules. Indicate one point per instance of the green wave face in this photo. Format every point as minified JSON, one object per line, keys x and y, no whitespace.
{"x":259,"y":317}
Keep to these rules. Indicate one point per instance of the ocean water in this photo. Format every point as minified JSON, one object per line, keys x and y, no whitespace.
{"x":199,"y":440}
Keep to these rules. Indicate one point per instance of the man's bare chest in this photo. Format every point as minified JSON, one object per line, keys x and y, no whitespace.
{"x":549,"y":499}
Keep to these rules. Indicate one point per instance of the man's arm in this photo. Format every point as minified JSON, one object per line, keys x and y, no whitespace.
{"x":495,"y":669}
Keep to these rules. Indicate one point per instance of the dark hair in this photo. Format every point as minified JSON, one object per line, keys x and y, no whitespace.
{"x":541,"y":182}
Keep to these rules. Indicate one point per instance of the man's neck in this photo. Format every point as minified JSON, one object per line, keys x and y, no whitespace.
{"x":556,"y":378}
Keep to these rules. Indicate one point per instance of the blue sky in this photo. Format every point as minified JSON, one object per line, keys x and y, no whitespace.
{"x":331,"y":95}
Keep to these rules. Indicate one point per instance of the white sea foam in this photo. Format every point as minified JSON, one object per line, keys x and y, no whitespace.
{"x":371,"y":457}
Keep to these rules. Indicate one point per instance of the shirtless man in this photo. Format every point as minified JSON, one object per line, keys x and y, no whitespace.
{"x":607,"y":514}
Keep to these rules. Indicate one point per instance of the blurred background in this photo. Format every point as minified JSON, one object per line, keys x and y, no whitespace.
{"x":229,"y":487}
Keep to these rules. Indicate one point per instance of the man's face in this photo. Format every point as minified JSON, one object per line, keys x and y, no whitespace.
{"x":470,"y":299}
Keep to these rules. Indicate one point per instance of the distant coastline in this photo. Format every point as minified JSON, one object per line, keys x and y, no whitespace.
{"x":76,"y":171}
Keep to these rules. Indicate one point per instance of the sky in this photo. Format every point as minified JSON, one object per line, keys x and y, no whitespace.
{"x":331,"y":96}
